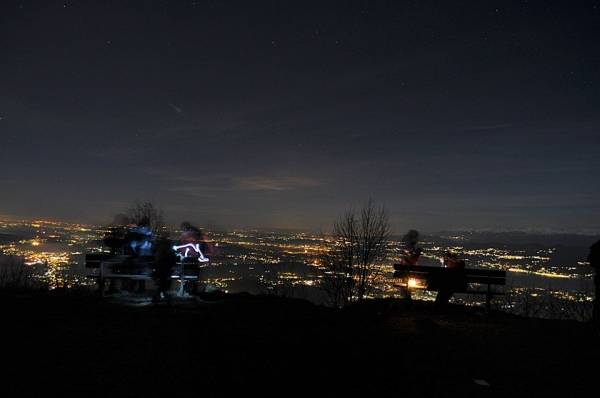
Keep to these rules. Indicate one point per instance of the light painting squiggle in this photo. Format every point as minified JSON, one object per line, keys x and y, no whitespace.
{"x":193,"y":246}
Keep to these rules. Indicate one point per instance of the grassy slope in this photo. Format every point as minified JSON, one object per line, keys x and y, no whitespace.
{"x":80,"y":346}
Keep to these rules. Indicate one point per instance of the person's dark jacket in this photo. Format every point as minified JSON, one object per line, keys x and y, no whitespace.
{"x":164,"y":260}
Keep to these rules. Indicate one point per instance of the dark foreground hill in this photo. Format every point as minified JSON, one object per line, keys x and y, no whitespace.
{"x":246,"y":346}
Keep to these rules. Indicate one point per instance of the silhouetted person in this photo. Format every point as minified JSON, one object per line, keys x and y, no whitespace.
{"x":191,"y":249}
{"x":450,"y":281}
{"x":139,"y":239}
{"x":188,"y":231}
{"x":138,"y":245}
{"x":164,"y":262}
{"x":411,"y":257}
{"x":594,"y":259}
{"x":412,"y":251}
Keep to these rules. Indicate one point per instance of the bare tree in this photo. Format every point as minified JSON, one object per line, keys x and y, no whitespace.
{"x":337,"y":282}
{"x":373,"y":234}
{"x":360,"y":242}
{"x":14,"y":274}
{"x":145,"y":213}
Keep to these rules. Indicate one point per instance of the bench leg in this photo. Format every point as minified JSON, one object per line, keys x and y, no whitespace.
{"x":141,"y":286}
{"x":101,"y":280}
{"x":101,"y":286}
{"x":443,"y":297}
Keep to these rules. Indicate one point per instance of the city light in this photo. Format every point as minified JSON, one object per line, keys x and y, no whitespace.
{"x":294,"y":263}
{"x":415,"y":283}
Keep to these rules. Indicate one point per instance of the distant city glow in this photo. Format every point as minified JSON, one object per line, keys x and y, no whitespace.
{"x":292,"y":263}
{"x":540,"y":273}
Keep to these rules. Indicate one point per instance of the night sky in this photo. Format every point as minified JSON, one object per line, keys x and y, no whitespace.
{"x":457,"y":115}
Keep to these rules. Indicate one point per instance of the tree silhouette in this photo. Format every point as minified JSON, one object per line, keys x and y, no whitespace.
{"x":146,"y":214}
{"x":360,"y":242}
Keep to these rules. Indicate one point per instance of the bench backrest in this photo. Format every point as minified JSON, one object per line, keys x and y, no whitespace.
{"x":473,"y":275}
{"x":116,"y":264}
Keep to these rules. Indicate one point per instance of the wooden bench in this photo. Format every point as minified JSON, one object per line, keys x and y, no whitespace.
{"x":125,"y":267}
{"x":474,"y":280}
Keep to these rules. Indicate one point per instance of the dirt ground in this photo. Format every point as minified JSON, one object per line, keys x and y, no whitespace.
{"x":79,"y":345}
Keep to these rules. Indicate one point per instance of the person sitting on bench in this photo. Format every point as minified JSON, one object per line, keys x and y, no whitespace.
{"x":412,"y":251}
{"x":411,"y":257}
{"x":453,"y":280}
{"x":164,"y":263}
